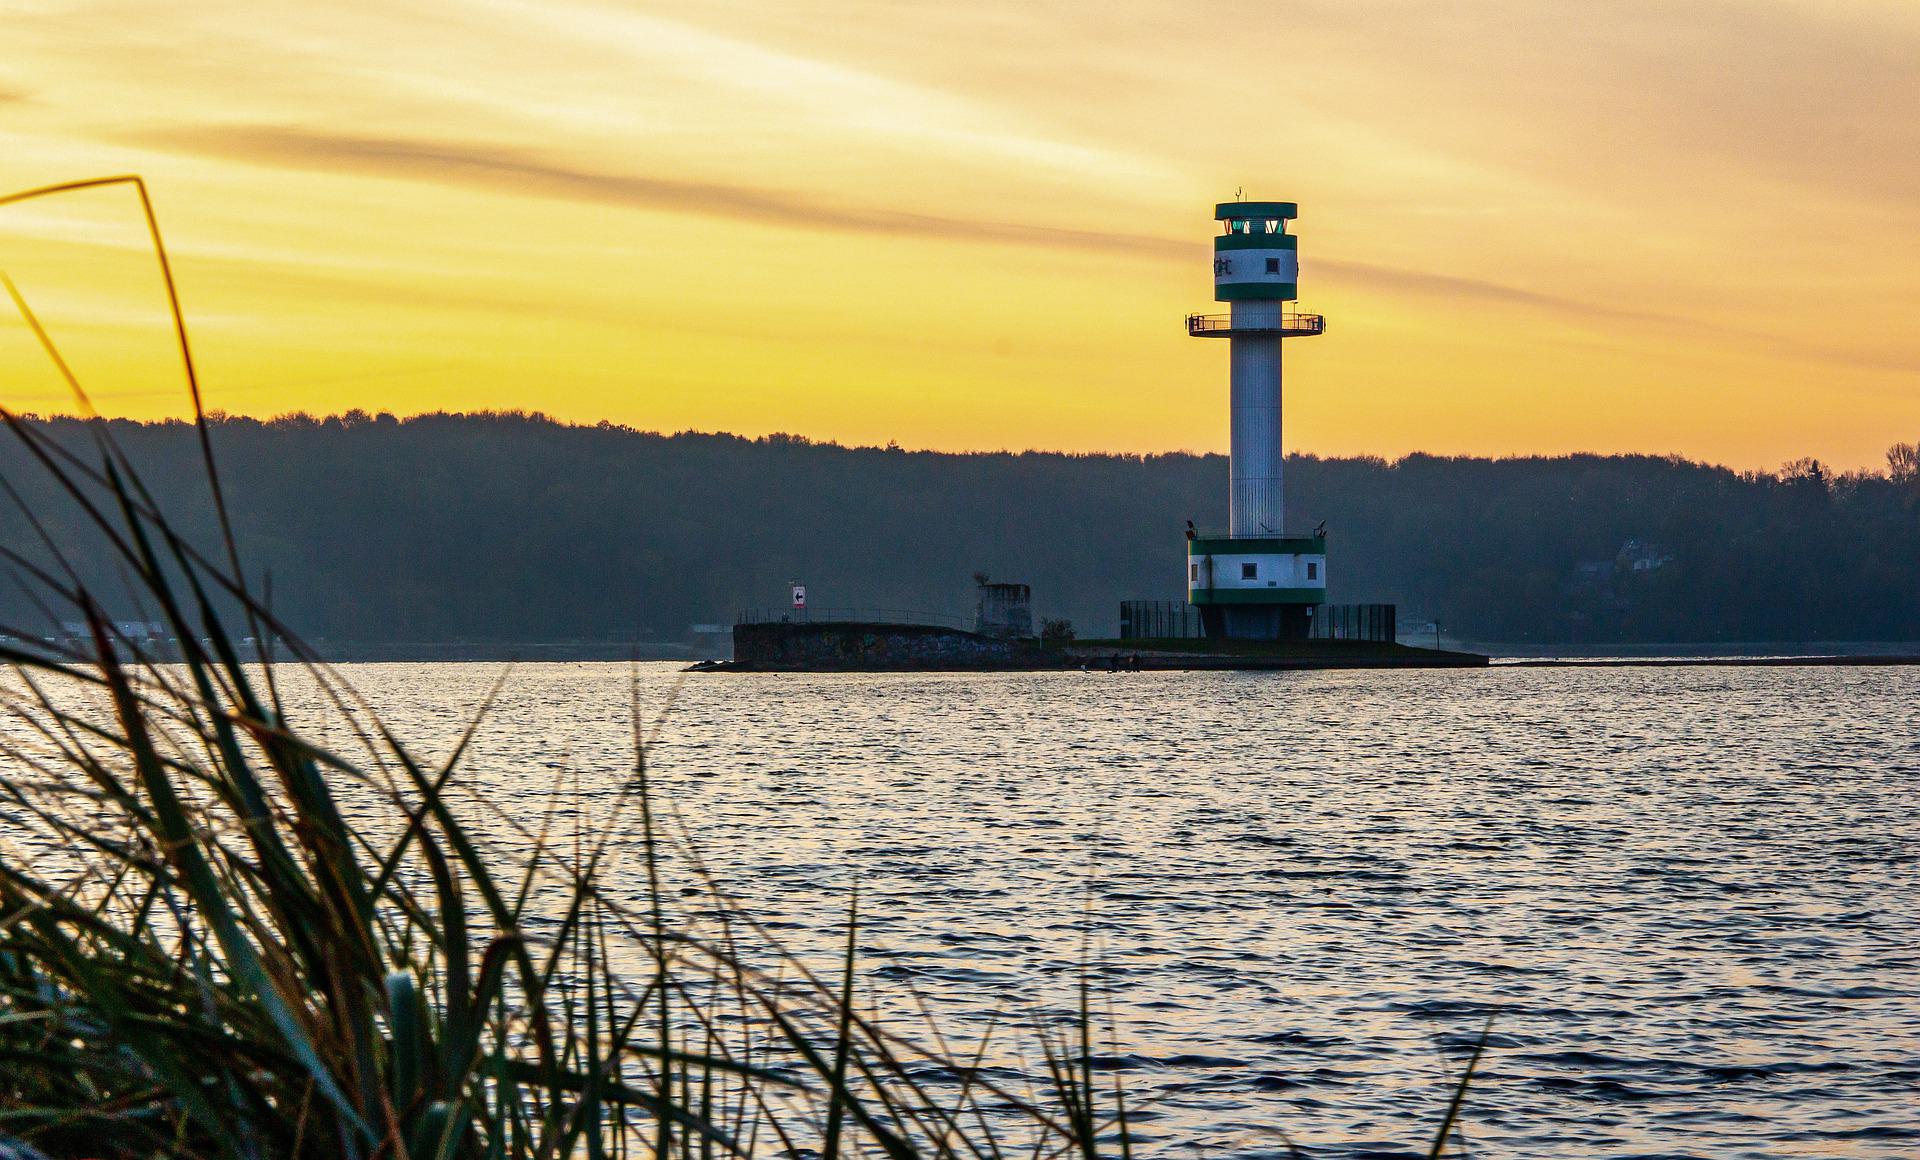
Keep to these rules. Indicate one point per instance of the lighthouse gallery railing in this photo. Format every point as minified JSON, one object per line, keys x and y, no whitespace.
{"x":1221,"y":325}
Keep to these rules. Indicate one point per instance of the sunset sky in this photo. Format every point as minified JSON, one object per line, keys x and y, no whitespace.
{"x":1535,"y":226}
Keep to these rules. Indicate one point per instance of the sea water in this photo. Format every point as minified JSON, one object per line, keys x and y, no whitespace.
{"x":1681,"y":904}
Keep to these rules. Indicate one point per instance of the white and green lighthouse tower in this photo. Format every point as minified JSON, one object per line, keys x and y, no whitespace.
{"x":1256,"y":582}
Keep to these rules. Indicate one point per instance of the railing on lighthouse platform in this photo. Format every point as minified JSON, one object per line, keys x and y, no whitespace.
{"x":1285,"y":326}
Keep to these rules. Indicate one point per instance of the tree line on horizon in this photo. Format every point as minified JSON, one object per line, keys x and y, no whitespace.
{"x":506,"y":526}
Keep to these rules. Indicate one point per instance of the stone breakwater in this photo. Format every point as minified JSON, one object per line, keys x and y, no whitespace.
{"x":849,"y":646}
{"x":853,"y":645}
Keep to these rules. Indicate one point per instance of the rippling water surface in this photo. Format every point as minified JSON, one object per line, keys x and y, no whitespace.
{"x":1686,"y":898}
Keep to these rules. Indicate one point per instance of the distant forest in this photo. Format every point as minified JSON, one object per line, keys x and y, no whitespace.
{"x":512,"y":527}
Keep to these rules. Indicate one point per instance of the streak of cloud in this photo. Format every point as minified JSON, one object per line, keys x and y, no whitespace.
{"x":1421,"y":283}
{"x":522,"y":172}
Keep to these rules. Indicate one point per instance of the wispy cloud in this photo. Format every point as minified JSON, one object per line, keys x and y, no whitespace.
{"x":517,"y":171}
{"x":521,"y":171}
{"x":1421,"y":283}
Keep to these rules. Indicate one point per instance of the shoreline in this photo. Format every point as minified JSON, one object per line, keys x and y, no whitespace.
{"x":1090,"y":657}
{"x":1237,"y":664}
{"x":1818,"y":660}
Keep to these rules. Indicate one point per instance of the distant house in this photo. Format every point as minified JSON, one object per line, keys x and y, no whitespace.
{"x":129,"y":629}
{"x":1591,"y":574}
{"x":1602,"y":593}
{"x":1638,"y":555}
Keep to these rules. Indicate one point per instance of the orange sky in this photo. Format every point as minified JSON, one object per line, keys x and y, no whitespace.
{"x":1534,"y":226}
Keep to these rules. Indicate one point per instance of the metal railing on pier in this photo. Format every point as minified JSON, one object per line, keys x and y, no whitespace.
{"x":1159,"y":620}
{"x":1375,"y":622}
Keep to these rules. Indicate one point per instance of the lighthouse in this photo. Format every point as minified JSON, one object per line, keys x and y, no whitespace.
{"x":1257,"y":582}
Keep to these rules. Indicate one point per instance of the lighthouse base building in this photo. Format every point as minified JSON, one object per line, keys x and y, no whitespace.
{"x":1257,"y":582}
{"x":1257,"y":588}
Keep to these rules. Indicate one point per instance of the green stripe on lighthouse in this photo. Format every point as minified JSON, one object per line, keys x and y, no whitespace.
{"x":1257,"y":596}
{"x":1256,"y":242}
{"x":1255,"y":291}
{"x":1257,"y":546}
{"x":1239,"y":210}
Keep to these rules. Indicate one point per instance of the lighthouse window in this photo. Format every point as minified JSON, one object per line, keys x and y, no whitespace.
{"x":1273,"y":227}
{"x":1249,"y":571}
{"x":1313,"y":570}
{"x":1193,"y":573}
{"x":1273,"y":265}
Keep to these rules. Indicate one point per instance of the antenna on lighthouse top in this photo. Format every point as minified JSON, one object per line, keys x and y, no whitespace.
{"x":1239,"y":193}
